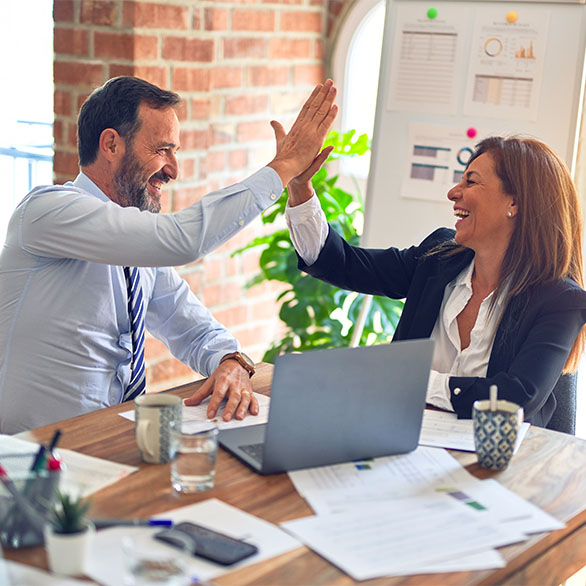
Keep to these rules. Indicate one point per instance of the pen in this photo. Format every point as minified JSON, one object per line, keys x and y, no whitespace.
{"x":103,"y":523}
{"x":39,"y":459}
{"x":54,"y":440}
{"x":44,"y":452}
{"x":195,"y":580}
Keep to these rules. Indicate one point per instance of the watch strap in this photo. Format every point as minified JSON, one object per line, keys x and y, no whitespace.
{"x":244,"y":361}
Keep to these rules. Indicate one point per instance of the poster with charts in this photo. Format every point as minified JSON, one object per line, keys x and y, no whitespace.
{"x":426,"y":59}
{"x":506,"y":63}
{"x":437,"y":159}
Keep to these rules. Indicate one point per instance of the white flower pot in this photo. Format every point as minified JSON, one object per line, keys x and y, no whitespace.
{"x":68,"y":552}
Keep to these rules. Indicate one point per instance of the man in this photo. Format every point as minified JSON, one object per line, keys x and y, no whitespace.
{"x":73,"y":305}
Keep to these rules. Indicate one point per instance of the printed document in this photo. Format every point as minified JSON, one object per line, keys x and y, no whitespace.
{"x":195,"y":418}
{"x":106,"y":565}
{"x":17,"y":574}
{"x":496,"y":503}
{"x":506,"y":61}
{"x":415,"y":480}
{"x":441,"y":429}
{"x":400,"y":536}
{"x":400,"y":475}
{"x":83,"y":475}
{"x":426,"y":57}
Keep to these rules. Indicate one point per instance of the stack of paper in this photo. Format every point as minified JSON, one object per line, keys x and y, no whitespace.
{"x":410,"y":514}
{"x":441,"y":429}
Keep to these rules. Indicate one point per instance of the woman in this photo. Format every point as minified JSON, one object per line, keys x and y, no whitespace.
{"x":502,"y":295}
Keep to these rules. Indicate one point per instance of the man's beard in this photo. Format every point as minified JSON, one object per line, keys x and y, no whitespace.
{"x":131,"y":190}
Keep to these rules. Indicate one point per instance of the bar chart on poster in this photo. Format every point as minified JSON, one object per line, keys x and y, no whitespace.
{"x":453,"y":73}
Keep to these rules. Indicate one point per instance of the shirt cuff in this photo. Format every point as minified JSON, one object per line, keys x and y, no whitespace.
{"x":308,"y":227}
{"x":438,"y":390}
{"x":303,"y":210}
{"x":214,"y":361}
{"x":267,"y":183}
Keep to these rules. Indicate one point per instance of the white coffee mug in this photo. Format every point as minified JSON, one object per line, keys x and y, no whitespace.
{"x":156,"y":416}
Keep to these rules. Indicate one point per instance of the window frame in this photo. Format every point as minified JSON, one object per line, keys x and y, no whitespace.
{"x":342,"y":45}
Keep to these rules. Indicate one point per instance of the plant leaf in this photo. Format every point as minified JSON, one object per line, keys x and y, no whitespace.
{"x":316,"y":314}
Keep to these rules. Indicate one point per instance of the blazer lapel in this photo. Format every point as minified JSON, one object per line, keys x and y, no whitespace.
{"x":419,"y":319}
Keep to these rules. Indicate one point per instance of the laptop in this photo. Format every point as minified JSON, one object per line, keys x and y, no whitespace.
{"x":338,"y":405}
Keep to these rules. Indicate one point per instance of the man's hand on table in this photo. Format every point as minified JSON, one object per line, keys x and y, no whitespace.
{"x":228,"y":380}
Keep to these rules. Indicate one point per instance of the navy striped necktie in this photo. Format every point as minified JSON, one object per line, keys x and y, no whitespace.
{"x":137,"y":383}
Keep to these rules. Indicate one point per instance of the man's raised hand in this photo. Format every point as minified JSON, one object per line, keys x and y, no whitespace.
{"x":298,"y":149}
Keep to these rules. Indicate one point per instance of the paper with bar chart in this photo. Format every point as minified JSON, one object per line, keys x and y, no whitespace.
{"x":426,"y":59}
{"x":506,"y":64}
{"x":437,"y":158}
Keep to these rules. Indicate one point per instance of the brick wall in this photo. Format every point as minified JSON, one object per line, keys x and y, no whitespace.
{"x":237,"y":64}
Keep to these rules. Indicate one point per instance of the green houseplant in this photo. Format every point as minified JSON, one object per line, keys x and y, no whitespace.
{"x":68,"y":514}
{"x":68,"y":535}
{"x":316,"y":314}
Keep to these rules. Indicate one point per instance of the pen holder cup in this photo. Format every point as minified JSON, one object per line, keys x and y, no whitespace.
{"x":26,"y":499}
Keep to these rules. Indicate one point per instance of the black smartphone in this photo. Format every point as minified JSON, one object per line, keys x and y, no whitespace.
{"x":208,"y":544}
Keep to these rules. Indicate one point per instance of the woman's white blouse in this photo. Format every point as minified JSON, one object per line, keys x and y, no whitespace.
{"x":309,"y":229}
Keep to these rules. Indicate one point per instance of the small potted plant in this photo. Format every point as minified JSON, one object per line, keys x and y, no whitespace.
{"x":68,"y":535}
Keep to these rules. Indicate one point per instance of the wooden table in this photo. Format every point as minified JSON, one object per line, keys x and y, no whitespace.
{"x":549,"y":470}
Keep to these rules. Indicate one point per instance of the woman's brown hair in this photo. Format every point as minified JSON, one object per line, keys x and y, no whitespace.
{"x":547,"y":241}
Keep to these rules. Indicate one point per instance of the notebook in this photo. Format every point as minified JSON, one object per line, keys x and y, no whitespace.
{"x":338,"y":405}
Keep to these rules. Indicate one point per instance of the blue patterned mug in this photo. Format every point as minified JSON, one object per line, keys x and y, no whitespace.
{"x":495,"y":432}
{"x":156,"y":416}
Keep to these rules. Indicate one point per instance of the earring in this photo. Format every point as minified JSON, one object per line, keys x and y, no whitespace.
{"x":510,"y":214}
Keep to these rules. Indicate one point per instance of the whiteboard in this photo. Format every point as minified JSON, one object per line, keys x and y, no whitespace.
{"x":426,"y":114}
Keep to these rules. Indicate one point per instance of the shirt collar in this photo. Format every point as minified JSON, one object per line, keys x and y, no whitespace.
{"x":84,"y":182}
{"x":464,"y":279}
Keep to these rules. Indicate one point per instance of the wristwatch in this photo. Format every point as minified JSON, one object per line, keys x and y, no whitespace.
{"x":245,"y":361}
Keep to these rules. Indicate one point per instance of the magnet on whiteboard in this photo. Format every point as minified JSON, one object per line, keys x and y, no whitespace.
{"x":471,"y":132}
{"x":432,"y":13}
{"x":511,"y":16}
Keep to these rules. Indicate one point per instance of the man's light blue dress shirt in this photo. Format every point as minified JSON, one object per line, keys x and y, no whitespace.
{"x":65,"y":342}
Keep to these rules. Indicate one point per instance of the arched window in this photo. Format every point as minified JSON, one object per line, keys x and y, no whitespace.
{"x":355,"y":65}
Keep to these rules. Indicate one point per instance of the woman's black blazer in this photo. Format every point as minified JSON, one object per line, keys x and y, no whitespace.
{"x":532,"y":342}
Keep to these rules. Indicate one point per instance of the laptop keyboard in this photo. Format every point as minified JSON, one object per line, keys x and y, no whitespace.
{"x":254,"y":451}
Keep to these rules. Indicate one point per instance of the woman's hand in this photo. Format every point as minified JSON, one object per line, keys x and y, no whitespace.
{"x":300,"y":187}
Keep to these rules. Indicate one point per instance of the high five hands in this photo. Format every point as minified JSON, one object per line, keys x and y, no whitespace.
{"x":299,"y":151}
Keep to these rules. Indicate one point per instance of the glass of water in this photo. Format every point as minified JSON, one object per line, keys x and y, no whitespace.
{"x":194,"y":467}
{"x":149,"y":562}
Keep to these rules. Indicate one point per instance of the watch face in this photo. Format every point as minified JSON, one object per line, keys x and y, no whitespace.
{"x":248,"y":359}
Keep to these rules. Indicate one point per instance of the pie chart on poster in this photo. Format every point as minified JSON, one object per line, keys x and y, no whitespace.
{"x":493,"y":47}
